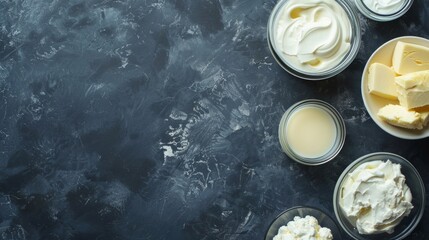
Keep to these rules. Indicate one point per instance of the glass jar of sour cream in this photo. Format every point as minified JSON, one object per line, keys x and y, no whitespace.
{"x":383,"y":10}
{"x":314,"y":39}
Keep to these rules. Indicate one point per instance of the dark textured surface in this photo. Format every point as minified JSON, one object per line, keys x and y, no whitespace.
{"x":145,"y":119}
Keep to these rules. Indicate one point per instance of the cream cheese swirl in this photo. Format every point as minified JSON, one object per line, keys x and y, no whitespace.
{"x":384,"y":6}
{"x":375,"y":197}
{"x":312,"y":35}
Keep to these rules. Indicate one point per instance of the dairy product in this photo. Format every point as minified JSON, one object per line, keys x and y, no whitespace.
{"x":413,"y":89}
{"x":425,"y":118}
{"x":408,"y":58}
{"x":418,"y":79}
{"x":408,"y":81}
{"x":424,"y":114}
{"x":375,"y":198}
{"x":402,"y":117}
{"x":310,"y":132}
{"x":381,"y":81}
{"x":306,"y":228}
{"x":312,"y":35}
{"x":384,"y":6}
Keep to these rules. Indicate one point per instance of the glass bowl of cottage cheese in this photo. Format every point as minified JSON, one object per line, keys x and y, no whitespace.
{"x":303,"y":223}
{"x":314,"y":39}
{"x":383,"y":10}
{"x":379,"y":196}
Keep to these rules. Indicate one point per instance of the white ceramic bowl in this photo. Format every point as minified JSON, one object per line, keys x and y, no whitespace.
{"x":373,"y":103}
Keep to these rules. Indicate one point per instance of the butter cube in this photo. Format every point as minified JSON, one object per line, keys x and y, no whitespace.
{"x":413,"y":89}
{"x":409,"y":58}
{"x":399,"y":116}
{"x":381,"y":81}
{"x":424,"y":114}
{"x":425,"y":118}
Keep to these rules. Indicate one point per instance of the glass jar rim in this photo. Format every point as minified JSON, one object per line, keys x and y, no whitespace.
{"x":369,"y":13}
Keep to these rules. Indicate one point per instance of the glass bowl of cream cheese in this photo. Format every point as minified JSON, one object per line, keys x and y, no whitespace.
{"x":383,"y":10}
{"x":303,"y":222}
{"x":379,"y":196}
{"x":314,"y":39}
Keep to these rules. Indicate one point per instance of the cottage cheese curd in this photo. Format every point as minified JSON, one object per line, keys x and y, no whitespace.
{"x":312,"y":35}
{"x":306,"y":228}
{"x":384,"y":6}
{"x":375,"y":197}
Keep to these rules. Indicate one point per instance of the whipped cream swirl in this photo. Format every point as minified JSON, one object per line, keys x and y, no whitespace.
{"x":312,"y":35}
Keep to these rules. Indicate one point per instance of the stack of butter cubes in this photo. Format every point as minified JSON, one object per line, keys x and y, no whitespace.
{"x":407,"y":81}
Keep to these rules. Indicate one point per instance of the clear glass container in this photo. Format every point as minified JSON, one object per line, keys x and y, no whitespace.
{"x":320,"y":75}
{"x":366,"y":11}
{"x":339,"y":140}
{"x":283,"y":218}
{"x":412,"y":179}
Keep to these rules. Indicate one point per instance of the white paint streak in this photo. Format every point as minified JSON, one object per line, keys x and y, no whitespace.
{"x":93,"y":88}
{"x":178,"y":115}
{"x":49,"y":54}
{"x":350,"y":112}
{"x":168,"y":152}
{"x":244,"y":109}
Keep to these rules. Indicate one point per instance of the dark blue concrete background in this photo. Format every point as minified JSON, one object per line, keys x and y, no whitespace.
{"x":146,"y":119}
